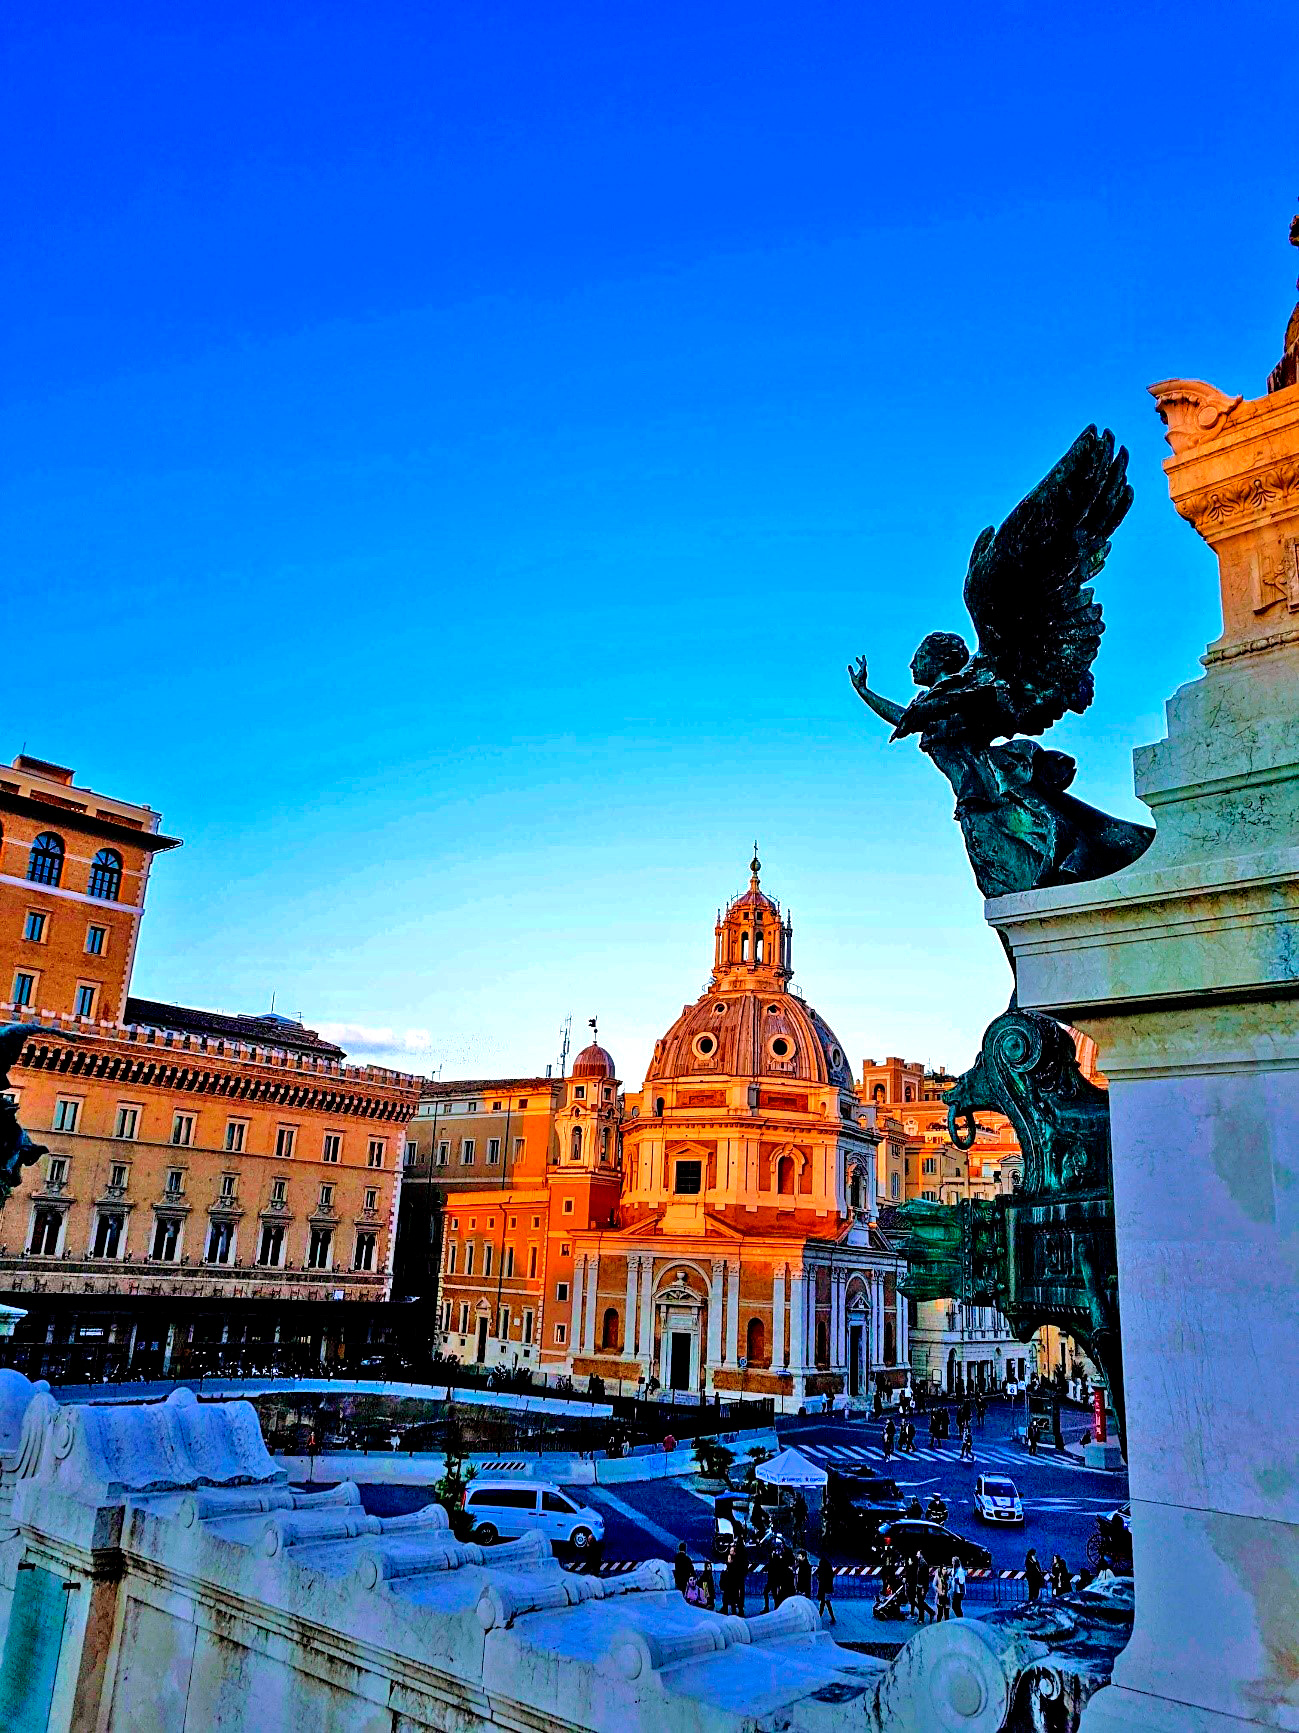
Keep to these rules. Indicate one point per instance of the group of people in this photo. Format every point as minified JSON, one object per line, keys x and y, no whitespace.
{"x":910,"y":1581}
{"x":902,"y":1434}
{"x":788,"y":1572}
{"x":1059,"y":1578}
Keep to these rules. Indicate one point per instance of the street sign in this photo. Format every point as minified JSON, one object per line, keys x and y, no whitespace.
{"x":742,"y":1363}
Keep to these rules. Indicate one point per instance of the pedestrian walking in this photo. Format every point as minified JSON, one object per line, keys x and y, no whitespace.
{"x":889,"y":1435}
{"x":682,"y":1569}
{"x":920,"y":1589}
{"x":958,"y":1588}
{"x":1061,"y":1576}
{"x":1034,"y":1573}
{"x":803,"y":1576}
{"x":825,"y":1589}
{"x":740,"y":1565}
{"x":942,"y":1594}
{"x":967,"y":1444}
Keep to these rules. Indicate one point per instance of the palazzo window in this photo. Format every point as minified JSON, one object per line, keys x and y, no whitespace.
{"x":364,"y":1259}
{"x":46,"y":1227}
{"x":106,"y":875}
{"x":220,"y":1243}
{"x":45,"y":862}
{"x":271,"y":1250}
{"x":320,"y":1249}
{"x":107,"y":1242}
{"x":688,"y":1178}
{"x":166,"y":1240}
{"x":34,"y":927}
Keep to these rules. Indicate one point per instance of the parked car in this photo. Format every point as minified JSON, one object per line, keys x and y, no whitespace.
{"x":508,"y":1507}
{"x":997,"y":1499}
{"x":936,"y":1544}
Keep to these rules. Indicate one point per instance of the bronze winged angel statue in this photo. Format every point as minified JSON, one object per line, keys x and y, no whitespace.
{"x":1038,"y":629}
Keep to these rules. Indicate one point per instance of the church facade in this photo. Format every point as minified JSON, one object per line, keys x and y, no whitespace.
{"x":724,"y":1237}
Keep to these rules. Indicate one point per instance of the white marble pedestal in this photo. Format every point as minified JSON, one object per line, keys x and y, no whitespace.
{"x":1184,"y":968}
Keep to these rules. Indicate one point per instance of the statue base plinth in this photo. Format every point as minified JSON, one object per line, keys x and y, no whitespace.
{"x":1184,"y":969}
{"x":1107,"y":1455}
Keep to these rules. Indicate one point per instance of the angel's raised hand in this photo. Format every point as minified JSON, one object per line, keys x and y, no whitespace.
{"x":857,"y":672}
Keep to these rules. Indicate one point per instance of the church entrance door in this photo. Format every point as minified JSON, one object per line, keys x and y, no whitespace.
{"x":854,"y":1359}
{"x":482,"y":1339}
{"x":679,"y":1362}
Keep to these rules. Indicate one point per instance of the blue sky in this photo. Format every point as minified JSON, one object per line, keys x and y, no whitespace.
{"x":450,"y":454}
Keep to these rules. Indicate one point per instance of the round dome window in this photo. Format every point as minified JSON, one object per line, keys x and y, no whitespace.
{"x":705,"y":1046}
{"x":781,"y":1047}
{"x":836,"y":1056}
{"x":719,"y":1008}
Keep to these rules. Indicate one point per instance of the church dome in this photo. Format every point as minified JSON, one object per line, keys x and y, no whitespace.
{"x":748,"y":1023}
{"x":773,"y":1035}
{"x":594,"y":1061}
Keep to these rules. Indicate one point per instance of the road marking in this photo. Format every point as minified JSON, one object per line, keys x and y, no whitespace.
{"x":601,"y":1495}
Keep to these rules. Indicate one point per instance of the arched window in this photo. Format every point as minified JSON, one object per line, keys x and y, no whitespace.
{"x":744,"y":947}
{"x":106,"y":875}
{"x":877,"y":1094}
{"x":822,"y":1342}
{"x":604,"y":1143}
{"x":785,"y":1176}
{"x":857,"y":1189}
{"x":755,"y":1342}
{"x":45,"y":863}
{"x":609,"y":1329}
{"x":575,"y":1146}
{"x":757,"y":947}
{"x":908,"y":1093}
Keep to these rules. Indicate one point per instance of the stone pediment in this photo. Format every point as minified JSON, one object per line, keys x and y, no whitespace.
{"x":653,"y":1227}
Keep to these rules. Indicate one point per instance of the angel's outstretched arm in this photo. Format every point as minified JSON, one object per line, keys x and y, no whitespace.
{"x":883,"y":707}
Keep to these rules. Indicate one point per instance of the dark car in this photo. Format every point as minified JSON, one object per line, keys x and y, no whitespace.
{"x":936,"y":1544}
{"x":854,"y":1508}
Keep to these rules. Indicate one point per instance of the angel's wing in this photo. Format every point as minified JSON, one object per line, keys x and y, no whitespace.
{"x":1026,"y":588}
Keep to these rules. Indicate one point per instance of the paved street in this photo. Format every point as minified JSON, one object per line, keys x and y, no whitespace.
{"x":1061,"y":1498}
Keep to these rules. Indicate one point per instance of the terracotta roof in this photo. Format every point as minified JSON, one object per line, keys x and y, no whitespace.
{"x":454,"y":1086}
{"x":268,"y":1031}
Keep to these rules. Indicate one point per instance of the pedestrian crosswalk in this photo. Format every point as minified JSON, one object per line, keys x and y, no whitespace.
{"x":861,"y":1456}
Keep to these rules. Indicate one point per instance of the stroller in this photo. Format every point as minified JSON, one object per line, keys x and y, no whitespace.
{"x":889,"y":1602}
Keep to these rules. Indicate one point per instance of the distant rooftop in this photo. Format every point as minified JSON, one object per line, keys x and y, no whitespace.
{"x":269,"y":1030}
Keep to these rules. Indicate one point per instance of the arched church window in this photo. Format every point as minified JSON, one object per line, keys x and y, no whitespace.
{"x":604,"y":1143}
{"x":45,"y":862}
{"x":877,"y":1094}
{"x":908,"y":1093}
{"x":106,"y":875}
{"x":785,"y":1176}
{"x":575,"y":1144}
{"x":744,"y":947}
{"x":822,"y":1342}
{"x":755,"y":1342}
{"x":609,"y":1329}
{"x":757,"y":946}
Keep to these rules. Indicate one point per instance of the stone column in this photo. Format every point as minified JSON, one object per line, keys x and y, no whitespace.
{"x":778,"y":1317}
{"x":629,"y":1311}
{"x":592,"y":1297}
{"x":715,"y":1314}
{"x":733,"y":1349}
{"x":575,"y":1321}
{"x":797,"y":1321}
{"x":900,"y":1325}
{"x":1182,"y":968}
{"x":645,"y":1353}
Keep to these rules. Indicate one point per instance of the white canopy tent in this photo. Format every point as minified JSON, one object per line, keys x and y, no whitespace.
{"x":791,"y":1470}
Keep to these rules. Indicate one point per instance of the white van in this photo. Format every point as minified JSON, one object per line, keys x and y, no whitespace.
{"x":506,"y":1507}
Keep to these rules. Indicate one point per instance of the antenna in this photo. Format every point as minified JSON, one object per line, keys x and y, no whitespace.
{"x":567,"y":1033}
